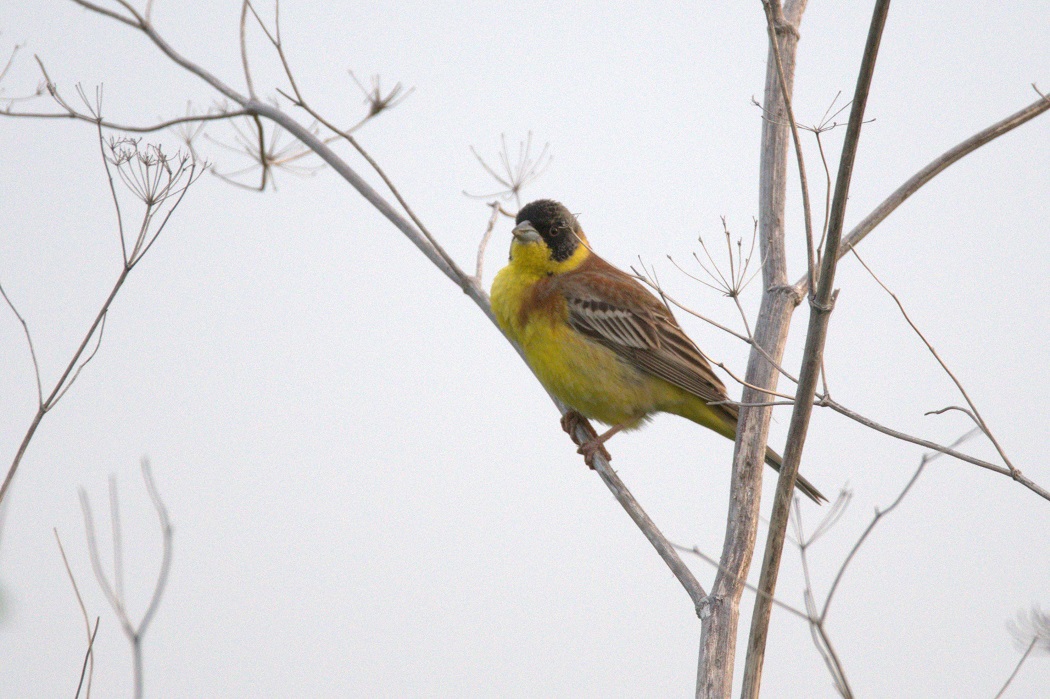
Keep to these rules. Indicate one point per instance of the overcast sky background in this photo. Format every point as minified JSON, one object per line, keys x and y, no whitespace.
{"x":371,"y":494}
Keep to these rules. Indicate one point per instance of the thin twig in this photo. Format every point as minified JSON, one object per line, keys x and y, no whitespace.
{"x":1017,"y":668}
{"x":974,"y":413}
{"x":89,"y":660}
{"x":32,"y":351}
{"x":695,"y":550}
{"x":879,"y":514}
{"x":1014,"y":474}
{"x":485,"y":241}
{"x":131,"y":128}
{"x":819,"y":633}
{"x":88,"y":655}
{"x":242,"y":33}
{"x":934,"y":168}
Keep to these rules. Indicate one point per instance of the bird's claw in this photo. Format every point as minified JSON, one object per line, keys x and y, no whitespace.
{"x":572,"y":420}
{"x":592,"y":447}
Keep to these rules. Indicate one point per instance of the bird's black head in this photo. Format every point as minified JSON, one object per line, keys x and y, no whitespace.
{"x":556,"y":225}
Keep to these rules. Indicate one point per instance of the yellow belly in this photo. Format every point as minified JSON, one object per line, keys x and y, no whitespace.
{"x":581,"y":373}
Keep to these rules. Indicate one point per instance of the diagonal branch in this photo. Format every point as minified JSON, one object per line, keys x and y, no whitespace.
{"x":422,"y":241}
{"x":879,"y":514}
{"x":934,"y":168}
{"x":973,"y":412}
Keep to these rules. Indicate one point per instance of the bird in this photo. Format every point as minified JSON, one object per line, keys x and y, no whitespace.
{"x":599,"y":341}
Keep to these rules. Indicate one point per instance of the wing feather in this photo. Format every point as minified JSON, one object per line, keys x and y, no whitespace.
{"x":612,"y":308}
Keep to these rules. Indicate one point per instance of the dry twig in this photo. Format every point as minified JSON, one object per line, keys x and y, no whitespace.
{"x":159,"y":182}
{"x":114,"y":593}
{"x":88,"y":668}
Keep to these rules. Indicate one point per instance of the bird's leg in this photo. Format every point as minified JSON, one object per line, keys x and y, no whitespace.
{"x":595,"y":444}
{"x":571,"y":420}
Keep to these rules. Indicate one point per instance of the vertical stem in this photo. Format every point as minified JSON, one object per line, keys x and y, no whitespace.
{"x":136,"y":659}
{"x":719,"y":624}
{"x":821,"y":303}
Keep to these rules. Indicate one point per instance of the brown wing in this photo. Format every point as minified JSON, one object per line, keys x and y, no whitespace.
{"x":616,"y":310}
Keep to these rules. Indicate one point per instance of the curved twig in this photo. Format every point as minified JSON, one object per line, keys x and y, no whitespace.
{"x":934,"y":168}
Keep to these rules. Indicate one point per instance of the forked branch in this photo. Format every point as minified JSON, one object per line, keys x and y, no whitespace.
{"x":413,"y":229}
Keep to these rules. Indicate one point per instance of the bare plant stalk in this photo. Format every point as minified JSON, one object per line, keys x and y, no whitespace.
{"x":1017,"y":668}
{"x":821,"y":304}
{"x":88,"y":668}
{"x":134,"y":632}
{"x":934,"y":168}
{"x":719,"y":625}
{"x":89,"y":655}
{"x":155,"y":179}
{"x":775,"y":16}
{"x":425,"y":243}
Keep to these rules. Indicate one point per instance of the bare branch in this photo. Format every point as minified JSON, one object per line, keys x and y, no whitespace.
{"x":29,"y":341}
{"x":695,"y":550}
{"x":974,"y":413}
{"x":154,"y":179}
{"x":652,"y":533}
{"x":496,"y":209}
{"x":166,"y":533}
{"x":242,"y":34}
{"x":821,"y":303}
{"x":934,"y":168}
{"x":1015,"y":474}
{"x":114,"y":594}
{"x":10,"y":60}
{"x":69,"y":112}
{"x":89,"y":659}
{"x":959,"y":408}
{"x":774,"y":16}
{"x":132,"y":21}
{"x":819,"y":633}
{"x":720,"y":629}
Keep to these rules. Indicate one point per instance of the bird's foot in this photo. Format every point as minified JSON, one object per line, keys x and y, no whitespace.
{"x":592,"y":447}
{"x":571,"y":420}
{"x":594,"y":444}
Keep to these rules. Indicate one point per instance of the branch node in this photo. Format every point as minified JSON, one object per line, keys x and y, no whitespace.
{"x":790,"y":291}
{"x":703,"y":609}
{"x":822,"y":307}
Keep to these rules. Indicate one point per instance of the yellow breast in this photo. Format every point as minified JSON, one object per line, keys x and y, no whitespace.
{"x":583,"y":374}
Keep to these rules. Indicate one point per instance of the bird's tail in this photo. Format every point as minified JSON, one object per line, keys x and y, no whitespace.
{"x":774,"y":460}
{"x":722,"y":419}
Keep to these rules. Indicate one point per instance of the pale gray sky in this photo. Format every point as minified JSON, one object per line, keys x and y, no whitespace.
{"x":371,"y":494}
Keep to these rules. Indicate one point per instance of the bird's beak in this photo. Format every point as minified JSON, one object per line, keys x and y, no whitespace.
{"x":525,"y":233}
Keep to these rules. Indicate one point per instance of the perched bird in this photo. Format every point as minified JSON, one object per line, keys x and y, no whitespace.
{"x":598,"y":340}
